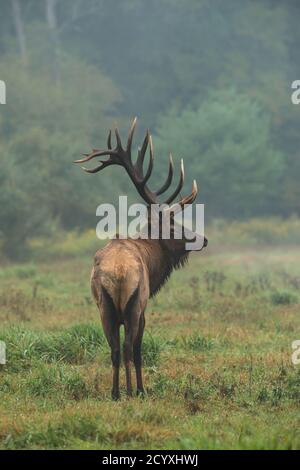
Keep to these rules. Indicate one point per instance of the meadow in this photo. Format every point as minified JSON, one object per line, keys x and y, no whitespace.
{"x":217,"y":357}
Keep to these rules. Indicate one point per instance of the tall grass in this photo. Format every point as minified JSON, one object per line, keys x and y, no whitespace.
{"x":57,"y":381}
{"x":58,"y":434}
{"x":75,"y":345}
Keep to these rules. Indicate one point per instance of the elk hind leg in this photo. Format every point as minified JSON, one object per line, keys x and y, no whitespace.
{"x":137,"y":355}
{"x":111,"y":327}
{"x":128,"y":355}
{"x":131,"y":324}
{"x":115,"y":359}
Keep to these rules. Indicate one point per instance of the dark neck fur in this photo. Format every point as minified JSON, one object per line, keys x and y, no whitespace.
{"x":169,"y":261}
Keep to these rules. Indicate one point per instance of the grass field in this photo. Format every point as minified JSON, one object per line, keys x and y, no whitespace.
{"x":217,"y":358}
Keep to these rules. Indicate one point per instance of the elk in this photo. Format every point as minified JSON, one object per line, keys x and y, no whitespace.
{"x":127,"y":272}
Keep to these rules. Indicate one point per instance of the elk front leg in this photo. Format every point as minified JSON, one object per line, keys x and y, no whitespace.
{"x":137,"y":355}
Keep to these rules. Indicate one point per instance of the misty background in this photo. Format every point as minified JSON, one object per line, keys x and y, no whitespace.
{"x":210,"y":79}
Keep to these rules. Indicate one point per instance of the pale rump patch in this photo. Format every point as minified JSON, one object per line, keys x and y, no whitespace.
{"x":119,"y":279}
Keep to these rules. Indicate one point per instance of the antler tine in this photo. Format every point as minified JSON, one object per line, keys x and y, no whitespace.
{"x":118,"y":138}
{"x":177,"y":206}
{"x":104,"y":164}
{"x":141,"y":155}
{"x":101,"y":153}
{"x":96,"y":153}
{"x":179,"y":186}
{"x":168,"y":181}
{"x":130,"y":135}
{"x":151,"y":160}
{"x":190,"y":199}
{"x":109,"y":140}
{"x":122,"y":157}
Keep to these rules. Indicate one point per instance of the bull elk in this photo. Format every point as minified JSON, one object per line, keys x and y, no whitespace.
{"x":127,"y":272}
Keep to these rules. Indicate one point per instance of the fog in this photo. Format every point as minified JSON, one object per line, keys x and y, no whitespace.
{"x":212,"y":80}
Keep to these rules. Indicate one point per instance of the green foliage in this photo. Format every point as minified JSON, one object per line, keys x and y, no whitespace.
{"x":283,"y":298}
{"x":271,"y":231}
{"x":75,"y":345}
{"x":24,"y":271}
{"x":208,"y":91}
{"x":57,"y":435}
{"x":197,"y":343}
{"x":40,"y":184}
{"x":216,"y":371}
{"x":151,"y":349}
{"x":65,"y":244}
{"x":226,"y":141}
{"x":55,"y":381}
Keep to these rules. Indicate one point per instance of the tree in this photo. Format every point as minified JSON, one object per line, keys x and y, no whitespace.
{"x":42,"y":131}
{"x":18,"y":22}
{"x":226,"y":145}
{"x":52,"y":24}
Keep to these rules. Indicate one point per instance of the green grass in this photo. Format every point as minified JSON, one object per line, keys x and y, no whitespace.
{"x":217,"y":358}
{"x":77,"y":344}
{"x":283,"y":298}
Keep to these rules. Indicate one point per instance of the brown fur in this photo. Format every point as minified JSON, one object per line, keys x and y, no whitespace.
{"x":126,"y":273}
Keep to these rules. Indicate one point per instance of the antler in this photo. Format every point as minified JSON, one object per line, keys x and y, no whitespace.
{"x":122,"y":157}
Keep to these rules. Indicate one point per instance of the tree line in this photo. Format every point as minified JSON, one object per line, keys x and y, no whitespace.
{"x":212,"y":80}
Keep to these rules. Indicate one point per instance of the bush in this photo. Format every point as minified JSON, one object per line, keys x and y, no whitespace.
{"x":233,"y":137}
{"x":66,"y":244}
{"x":197,"y":342}
{"x":283,"y":298}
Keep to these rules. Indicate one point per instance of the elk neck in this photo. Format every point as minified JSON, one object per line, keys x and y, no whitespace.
{"x":161,"y":259}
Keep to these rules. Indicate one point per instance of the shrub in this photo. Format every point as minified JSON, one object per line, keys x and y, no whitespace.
{"x":283,"y":298}
{"x":197,"y":342}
